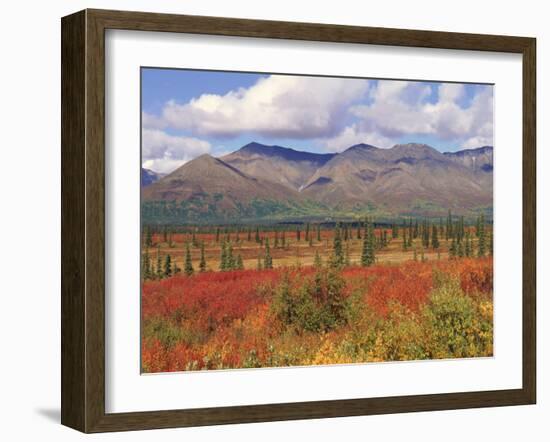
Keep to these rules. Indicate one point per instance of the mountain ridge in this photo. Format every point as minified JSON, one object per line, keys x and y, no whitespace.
{"x":260,"y":181}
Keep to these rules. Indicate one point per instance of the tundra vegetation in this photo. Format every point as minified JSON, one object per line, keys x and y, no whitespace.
{"x":251,"y":296}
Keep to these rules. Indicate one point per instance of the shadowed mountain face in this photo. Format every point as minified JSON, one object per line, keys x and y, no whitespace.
{"x":259,"y":182}
{"x":149,"y":177}
{"x":289,"y":167}
{"x":478,"y":160}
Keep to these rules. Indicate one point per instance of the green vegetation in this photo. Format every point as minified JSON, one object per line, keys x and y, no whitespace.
{"x":204,"y":209}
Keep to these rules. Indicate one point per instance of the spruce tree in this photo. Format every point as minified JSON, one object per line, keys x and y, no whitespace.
{"x":435,"y":237}
{"x":452,"y":249}
{"x":425,"y":235}
{"x":318,"y":232}
{"x":249,"y":235}
{"x":239,"y":264}
{"x":202,"y":263}
{"x":318,"y":278}
{"x":167,"y":266}
{"x":268,"y":261}
{"x":337,"y":247}
{"x":481,"y":250}
{"x":223,"y":258}
{"x":298,"y":233}
{"x":230,"y":259}
{"x":307,"y":232}
{"x":365,"y":250}
{"x":460,"y":249}
{"x":257,"y":235}
{"x":217,"y":234}
{"x":468,"y":245}
{"x":188,"y":267}
{"x":368,"y":254}
{"x":159,"y":264}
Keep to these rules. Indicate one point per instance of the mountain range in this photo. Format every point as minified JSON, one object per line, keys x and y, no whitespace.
{"x":259,"y":182}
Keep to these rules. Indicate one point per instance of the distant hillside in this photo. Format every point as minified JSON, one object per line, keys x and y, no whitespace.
{"x":398,"y":179}
{"x":208,"y":189}
{"x":278,"y":164}
{"x":149,"y":177}
{"x":478,"y":160}
{"x":259,"y":182}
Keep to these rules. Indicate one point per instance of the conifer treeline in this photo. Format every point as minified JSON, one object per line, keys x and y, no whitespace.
{"x":306,"y":232}
{"x":463,"y":245}
{"x":164,"y":268}
{"x":418,"y":235}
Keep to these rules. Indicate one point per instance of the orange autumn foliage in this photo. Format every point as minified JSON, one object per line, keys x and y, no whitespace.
{"x":217,"y":320}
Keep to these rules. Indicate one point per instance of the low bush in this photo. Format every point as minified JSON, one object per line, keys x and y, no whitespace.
{"x":318,"y":315}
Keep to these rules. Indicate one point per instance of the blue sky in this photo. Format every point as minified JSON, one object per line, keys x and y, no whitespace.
{"x":186,"y":113}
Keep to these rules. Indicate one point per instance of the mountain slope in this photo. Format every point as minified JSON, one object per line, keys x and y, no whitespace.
{"x":207,"y":189}
{"x":478,"y":160}
{"x":206,"y":175}
{"x":278,"y":164}
{"x":399,"y":178}
{"x":272,"y":182}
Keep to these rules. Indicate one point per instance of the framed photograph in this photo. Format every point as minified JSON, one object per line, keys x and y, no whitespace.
{"x":268,"y":220}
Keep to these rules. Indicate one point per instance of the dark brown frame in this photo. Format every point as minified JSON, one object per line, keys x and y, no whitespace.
{"x":83,"y":217}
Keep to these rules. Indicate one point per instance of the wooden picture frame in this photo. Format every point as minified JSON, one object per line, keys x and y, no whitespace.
{"x":83,"y":220}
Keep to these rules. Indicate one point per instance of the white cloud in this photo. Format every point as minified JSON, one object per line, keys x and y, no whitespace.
{"x":276,"y":106}
{"x":163,"y":152}
{"x":163,"y":165}
{"x":352,"y":135}
{"x":477,"y":141}
{"x":336,"y":112}
{"x":400,"y":108}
